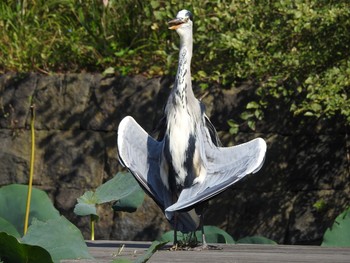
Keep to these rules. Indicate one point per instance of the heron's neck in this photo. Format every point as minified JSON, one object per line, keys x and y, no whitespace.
{"x":183,"y":83}
{"x":186,"y":42}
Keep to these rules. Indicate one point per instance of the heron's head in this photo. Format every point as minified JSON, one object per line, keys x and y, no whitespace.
{"x":183,"y":20}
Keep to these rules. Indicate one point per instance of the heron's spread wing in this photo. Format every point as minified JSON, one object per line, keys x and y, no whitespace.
{"x":212,"y":131}
{"x":140,"y":153}
{"x":225,"y":166}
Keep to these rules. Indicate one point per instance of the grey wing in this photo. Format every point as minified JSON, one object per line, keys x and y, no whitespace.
{"x":225,"y":166}
{"x":140,"y":153}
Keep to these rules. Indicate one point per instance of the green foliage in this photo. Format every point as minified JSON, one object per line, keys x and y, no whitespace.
{"x":131,"y":202}
{"x":234,"y":127}
{"x":8,"y":228}
{"x":213,"y":234}
{"x":74,"y":35}
{"x":296,"y":52}
{"x":12,"y":251}
{"x":320,"y":205}
{"x":58,"y":236}
{"x":13,"y":205}
{"x":338,"y":234}
{"x":156,"y":245}
{"x":118,"y":188}
{"x":256,"y":240}
{"x":49,"y":234}
{"x":122,"y":188}
{"x":188,"y":239}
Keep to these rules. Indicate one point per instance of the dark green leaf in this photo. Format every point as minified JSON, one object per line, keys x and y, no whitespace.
{"x":214,"y":234}
{"x":131,"y":202}
{"x":12,"y":251}
{"x":234,"y":127}
{"x":169,"y":236}
{"x":117,"y":188}
{"x":150,"y":251}
{"x":256,"y":240}
{"x":338,"y":234}
{"x":7,"y":227}
{"x":246,"y":115}
{"x":122,"y":188}
{"x":122,"y":260}
{"x":58,"y":236}
{"x":82,"y":209}
{"x":13,"y":205}
{"x":251,"y":124}
{"x":86,"y":204}
{"x":253,"y":105}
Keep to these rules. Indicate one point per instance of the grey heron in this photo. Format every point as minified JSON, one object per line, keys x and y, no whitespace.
{"x":186,"y":166}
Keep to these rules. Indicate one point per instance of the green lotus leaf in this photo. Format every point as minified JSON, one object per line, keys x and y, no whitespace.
{"x":13,"y":200}
{"x":12,"y":251}
{"x":131,"y":202}
{"x":213,"y":234}
{"x":122,"y":188}
{"x":338,"y":235}
{"x":256,"y":240}
{"x":60,"y":237}
{"x":7,"y":227}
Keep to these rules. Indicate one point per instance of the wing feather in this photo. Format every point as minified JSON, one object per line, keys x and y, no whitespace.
{"x":225,"y":166}
{"x":141,"y":154}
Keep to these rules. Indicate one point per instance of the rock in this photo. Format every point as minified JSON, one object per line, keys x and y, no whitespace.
{"x":14,"y":156}
{"x":301,"y":188}
{"x":16,"y":91}
{"x":61,"y":100}
{"x":115,"y":98}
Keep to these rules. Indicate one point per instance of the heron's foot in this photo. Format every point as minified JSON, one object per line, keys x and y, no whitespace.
{"x":180,"y":247}
{"x":175,"y":247}
{"x":198,"y":247}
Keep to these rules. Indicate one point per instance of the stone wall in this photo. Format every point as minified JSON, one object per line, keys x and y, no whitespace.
{"x":77,"y":116}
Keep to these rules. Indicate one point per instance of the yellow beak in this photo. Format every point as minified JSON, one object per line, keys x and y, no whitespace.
{"x":175,"y":23}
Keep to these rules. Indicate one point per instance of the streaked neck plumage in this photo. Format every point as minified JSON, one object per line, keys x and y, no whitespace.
{"x":183,"y":82}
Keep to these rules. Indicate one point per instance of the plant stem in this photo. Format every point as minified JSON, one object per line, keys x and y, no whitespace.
{"x":92,"y":222}
{"x":31,"y":171}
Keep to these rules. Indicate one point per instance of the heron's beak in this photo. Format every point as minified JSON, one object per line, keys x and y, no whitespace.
{"x":175,"y":23}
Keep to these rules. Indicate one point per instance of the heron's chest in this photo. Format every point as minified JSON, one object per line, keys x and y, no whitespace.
{"x":180,"y":143}
{"x":181,"y":126}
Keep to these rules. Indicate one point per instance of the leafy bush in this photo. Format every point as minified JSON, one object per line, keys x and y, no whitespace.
{"x":294,"y":51}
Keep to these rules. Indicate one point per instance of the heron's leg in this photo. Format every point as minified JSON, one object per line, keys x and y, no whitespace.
{"x":200,"y":212}
{"x":205,"y":245}
{"x":175,"y":244}
{"x":201,"y":222}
